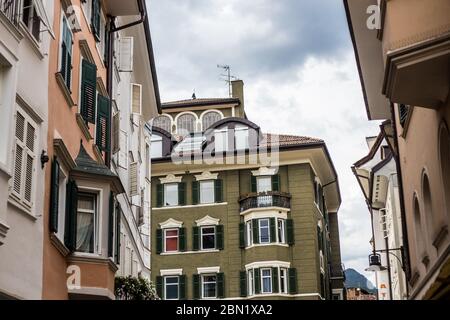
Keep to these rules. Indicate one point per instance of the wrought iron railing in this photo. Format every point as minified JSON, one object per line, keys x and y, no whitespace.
{"x":266,"y":199}
{"x":10,"y":8}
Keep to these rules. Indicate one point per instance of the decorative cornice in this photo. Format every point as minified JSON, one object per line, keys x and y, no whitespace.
{"x":208,"y":270}
{"x":171,"y":223}
{"x":268,"y":264}
{"x":63,"y":154}
{"x":3,"y":231}
{"x":171,"y":272}
{"x":29,"y":109}
{"x":59,"y":245}
{"x":264,"y":171}
{"x":86,"y":51}
{"x":207,"y":221}
{"x":171,"y":179}
{"x":206,"y":175}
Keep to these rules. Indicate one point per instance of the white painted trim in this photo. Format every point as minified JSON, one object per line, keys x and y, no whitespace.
{"x":206,"y":175}
{"x":188,"y":252}
{"x":93,"y":291}
{"x":267,"y":245}
{"x":208,"y":270}
{"x":171,"y":223}
{"x":260,"y":213}
{"x":268,"y":264}
{"x":314,"y":294}
{"x":208,"y":111}
{"x":196,"y":124}
{"x":171,"y":272}
{"x":192,"y":206}
{"x":265,"y":171}
{"x":207,"y":221}
{"x":170,"y":178}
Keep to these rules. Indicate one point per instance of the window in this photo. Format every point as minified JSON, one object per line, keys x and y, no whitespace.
{"x":209,"y":119}
{"x":102,"y":45}
{"x":87,"y":224}
{"x":156,"y":146}
{"x":251,"y":282}
{"x":31,"y":19}
{"x":266,"y":280}
{"x":171,"y":194}
{"x":209,"y":286}
{"x":264,"y":184}
{"x":163,"y":122}
{"x":171,"y":288}
{"x":207,"y":192}
{"x":87,"y":8}
{"x":65,"y":58}
{"x":249,"y":233}
{"x":208,"y":238}
{"x":283,"y":281}
{"x":25,"y":157}
{"x":221,"y":140}
{"x":264,"y":230}
{"x":186,"y":124}
{"x":241,"y":138}
{"x":170,"y":240}
{"x":281,"y":231}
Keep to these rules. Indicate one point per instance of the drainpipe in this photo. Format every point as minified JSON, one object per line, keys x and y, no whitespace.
{"x":402,"y":202}
{"x":388,"y":261}
{"x":113,"y":29}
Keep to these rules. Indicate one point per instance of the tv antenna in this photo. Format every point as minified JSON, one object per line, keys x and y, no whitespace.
{"x":228,"y":76}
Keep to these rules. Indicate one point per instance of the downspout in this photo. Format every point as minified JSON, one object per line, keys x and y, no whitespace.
{"x":388,"y":261}
{"x":113,"y":29}
{"x":402,"y":202}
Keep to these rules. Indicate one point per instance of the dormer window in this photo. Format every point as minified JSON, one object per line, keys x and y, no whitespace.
{"x":210,"y":118}
{"x":221,"y":140}
{"x":241,"y":138}
{"x":163,"y":122}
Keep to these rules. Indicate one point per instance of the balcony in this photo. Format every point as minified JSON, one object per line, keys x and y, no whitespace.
{"x":265,"y":200}
{"x":10,"y":9}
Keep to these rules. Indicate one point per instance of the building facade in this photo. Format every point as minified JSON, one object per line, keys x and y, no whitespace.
{"x":404,"y":71}
{"x":231,"y":221}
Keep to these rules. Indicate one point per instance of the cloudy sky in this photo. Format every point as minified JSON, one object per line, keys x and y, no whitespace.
{"x":297,"y":63}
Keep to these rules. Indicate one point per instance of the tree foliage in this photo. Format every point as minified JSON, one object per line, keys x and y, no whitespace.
{"x":132,"y":288}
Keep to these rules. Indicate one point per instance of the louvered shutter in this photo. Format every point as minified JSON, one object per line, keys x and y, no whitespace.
{"x":182,"y":193}
{"x":196,"y":286}
{"x":218,"y":191}
{"x":116,"y":133}
{"x":243,"y":283}
{"x":159,"y":241}
{"x":159,"y":286}
{"x":275,"y":280}
{"x":276,"y":182}
{"x":219,"y":237}
{"x":220,"y":285}
{"x":88,"y":91}
{"x":54,"y":197}
{"x":195,"y":238}
{"x":95,"y":19}
{"x":126,"y":54}
{"x":290,"y":232}
{"x":134,"y":179}
{"x":195,"y":192}
{"x":70,"y":235}
{"x":159,"y":195}
{"x":136,"y":98}
{"x":273,"y":235}
{"x":182,"y":279}
{"x":182,"y":239}
{"x":242,"y":235}
{"x":253,"y":184}
{"x":292,"y":273}
{"x":257,"y":273}
{"x":103,"y":124}
{"x":255,"y":226}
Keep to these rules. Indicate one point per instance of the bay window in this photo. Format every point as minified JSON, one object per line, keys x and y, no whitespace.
{"x":283,"y":280}
{"x":87,"y":224}
{"x":266,"y":280}
{"x":171,"y":240}
{"x":270,"y":279}
{"x":264,"y":230}
{"x":268,"y":230}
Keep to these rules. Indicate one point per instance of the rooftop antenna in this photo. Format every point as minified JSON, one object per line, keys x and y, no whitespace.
{"x":228,"y":76}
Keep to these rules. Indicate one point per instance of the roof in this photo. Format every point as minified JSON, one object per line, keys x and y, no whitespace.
{"x":287,"y":140}
{"x":199,"y":102}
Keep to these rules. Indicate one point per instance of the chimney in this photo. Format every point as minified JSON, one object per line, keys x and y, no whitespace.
{"x":237,"y":89}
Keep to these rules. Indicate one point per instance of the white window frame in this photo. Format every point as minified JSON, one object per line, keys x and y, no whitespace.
{"x":209,"y":282}
{"x":171,"y":237}
{"x":61,"y":29}
{"x":165,"y":193}
{"x":63,"y":179}
{"x":101,"y":45}
{"x":249,"y":232}
{"x":265,"y":277}
{"x":283,"y":280}
{"x":260,"y":228}
{"x":202,"y":234}
{"x":251,"y":282}
{"x":156,"y":141}
{"x":238,"y":137}
{"x":224,"y":146}
{"x":281,"y":232}
{"x":201,"y":200}
{"x":172,"y":284}
{"x":33,"y":13}
{"x":97,"y":219}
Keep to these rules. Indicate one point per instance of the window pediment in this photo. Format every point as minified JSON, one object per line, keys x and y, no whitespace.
{"x":171,"y":223}
{"x":206,"y":175}
{"x":170,"y":178}
{"x":207,"y":221}
{"x":265,"y":171}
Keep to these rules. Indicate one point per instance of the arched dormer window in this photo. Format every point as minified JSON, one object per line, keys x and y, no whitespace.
{"x":209,"y":118}
{"x":163,"y":122}
{"x":186,"y":124}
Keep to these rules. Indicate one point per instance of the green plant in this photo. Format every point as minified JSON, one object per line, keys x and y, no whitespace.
{"x":131,"y":288}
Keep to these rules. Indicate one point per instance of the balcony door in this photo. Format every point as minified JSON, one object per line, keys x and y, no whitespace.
{"x":264,"y":184}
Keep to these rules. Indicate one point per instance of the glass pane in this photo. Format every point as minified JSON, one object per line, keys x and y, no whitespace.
{"x":208,"y":238}
{"x":172,"y":244}
{"x":156,"y":149}
{"x":209,"y":119}
{"x":209,"y":286}
{"x":221,"y":140}
{"x":172,"y":291}
{"x":280,"y":231}
{"x":241,"y":138}
{"x":186,"y":124}
{"x":267,"y":285}
{"x":171,"y":194}
{"x":85,"y":202}
{"x":283,"y":280}
{"x":264,"y":233}
{"x":172,"y":280}
{"x":206,"y":191}
{"x":85,"y":232}
{"x":162,"y":122}
{"x":264,"y":184}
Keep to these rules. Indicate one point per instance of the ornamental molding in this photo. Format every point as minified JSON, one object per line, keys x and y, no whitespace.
{"x":3,"y":231}
{"x":206,"y":175}
{"x":171,"y":272}
{"x":265,"y":171}
{"x":170,"y":178}
{"x":207,"y":221}
{"x":171,"y":223}
{"x":268,"y":264}
{"x":208,"y":270}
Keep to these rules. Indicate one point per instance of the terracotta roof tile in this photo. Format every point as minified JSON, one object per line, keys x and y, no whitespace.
{"x":283,"y":140}
{"x":200,"y":101}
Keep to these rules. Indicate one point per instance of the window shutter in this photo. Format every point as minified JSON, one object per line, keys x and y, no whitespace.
{"x":195,"y":192}
{"x":220,"y":285}
{"x":117,"y":235}
{"x":66,"y":54}
{"x":218,"y":190}
{"x":290,"y":232}
{"x":95,"y":19}
{"x":54,"y":202}
{"x":242,"y":235}
{"x":159,"y":195}
{"x":195,"y":238}
{"x":70,"y":235}
{"x":196,"y":286}
{"x":103,"y":123}
{"x":253,"y":184}
{"x":243,"y":283}
{"x":275,"y":280}
{"x":182,"y":279}
{"x":257,"y":280}
{"x":255,"y":226}
{"x":107,"y":44}
{"x":136,"y":98}
{"x":182,"y":239}
{"x":88,"y":91}
{"x":219,"y":237}
{"x":159,"y":241}
{"x":159,"y":286}
{"x":273,"y":235}
{"x":111,"y":225}
{"x":134,"y":179}
{"x":116,"y":133}
{"x":126,"y":54}
{"x":319,"y":238}
{"x":276,"y":182}
{"x":292,"y":280}
{"x":182,"y":193}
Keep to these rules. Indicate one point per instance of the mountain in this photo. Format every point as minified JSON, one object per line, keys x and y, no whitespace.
{"x":354,"y":279}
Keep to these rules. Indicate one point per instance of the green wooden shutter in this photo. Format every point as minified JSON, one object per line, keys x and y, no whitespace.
{"x":257,"y":277}
{"x":243,"y":283}
{"x":117,"y":235}
{"x":255,"y":227}
{"x":219,"y":237}
{"x":319,"y":238}
{"x":275,"y":280}
{"x":159,"y":195}
{"x":218,"y":191}
{"x":253,"y":184}
{"x":292,"y":272}
{"x":159,"y":241}
{"x":159,"y":287}
{"x":70,"y":235}
{"x":195,"y":238}
{"x":54,"y":197}
{"x":182,"y":193}
{"x":273,"y":232}
{"x":290,"y":232}
{"x":66,"y":54}
{"x":182,"y":239}
{"x":111,"y":226}
{"x":95,"y":19}
{"x":220,"y":285}
{"x":195,"y":192}
{"x":242,"y":235}
{"x":276,"y":182}
{"x":182,"y":279}
{"x":196,"y":286}
{"x":88,"y":91}
{"x":103,"y":124}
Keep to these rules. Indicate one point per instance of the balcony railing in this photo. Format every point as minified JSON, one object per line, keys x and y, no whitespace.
{"x":264,"y":200}
{"x":10,"y":9}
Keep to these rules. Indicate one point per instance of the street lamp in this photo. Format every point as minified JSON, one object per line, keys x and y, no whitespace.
{"x":375,"y":262}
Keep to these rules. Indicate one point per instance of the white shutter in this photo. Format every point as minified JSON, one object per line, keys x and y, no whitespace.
{"x":116,"y":133}
{"x":122,"y":155}
{"x":133,"y":179}
{"x":136,"y":98}
{"x":126,"y":54}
